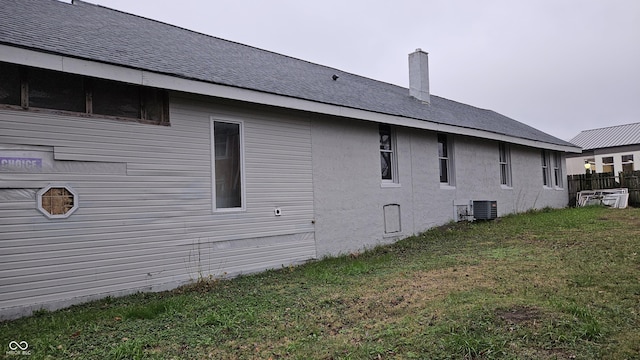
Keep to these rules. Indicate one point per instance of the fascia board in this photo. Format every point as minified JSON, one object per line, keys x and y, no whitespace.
{"x":141,"y":77}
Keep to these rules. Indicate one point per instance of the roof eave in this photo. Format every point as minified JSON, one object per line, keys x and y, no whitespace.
{"x":147,"y":78}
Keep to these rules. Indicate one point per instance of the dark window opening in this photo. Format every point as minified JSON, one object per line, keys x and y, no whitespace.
{"x":546,"y":176}
{"x":228,"y":165}
{"x":443,"y":157}
{"x":10,"y":84}
{"x":115,"y":99}
{"x":55,"y":90}
{"x":386,"y":152}
{"x":34,"y":88}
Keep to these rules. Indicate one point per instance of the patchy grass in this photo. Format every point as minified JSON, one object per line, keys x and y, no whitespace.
{"x":555,"y":284}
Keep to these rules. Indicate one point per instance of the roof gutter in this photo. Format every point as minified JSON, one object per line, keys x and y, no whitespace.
{"x":147,"y":78}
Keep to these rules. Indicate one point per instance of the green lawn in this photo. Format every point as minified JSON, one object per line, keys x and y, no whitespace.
{"x":557,"y":284}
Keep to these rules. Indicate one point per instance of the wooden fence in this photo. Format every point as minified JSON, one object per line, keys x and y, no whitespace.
{"x":596,"y":181}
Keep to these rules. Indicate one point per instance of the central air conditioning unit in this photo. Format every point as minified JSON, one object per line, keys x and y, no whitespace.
{"x":485,"y":210}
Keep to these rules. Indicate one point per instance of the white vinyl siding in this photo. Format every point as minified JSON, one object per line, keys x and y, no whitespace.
{"x":145,"y":195}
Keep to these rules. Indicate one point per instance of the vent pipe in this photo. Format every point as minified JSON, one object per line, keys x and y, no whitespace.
{"x":419,"y":75}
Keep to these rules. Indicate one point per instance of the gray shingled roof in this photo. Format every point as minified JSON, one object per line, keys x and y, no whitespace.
{"x":620,"y":135}
{"x":96,"y":33}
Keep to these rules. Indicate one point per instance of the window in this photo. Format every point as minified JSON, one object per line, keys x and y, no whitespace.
{"x":10,"y":84}
{"x":590,"y":165}
{"x":546,"y":175}
{"x":388,"y":165}
{"x":55,"y":90}
{"x":33,"y":88}
{"x":228,"y":165}
{"x":551,"y":169}
{"x":57,"y":202}
{"x":445,"y":159}
{"x":627,"y":163}
{"x":115,"y":99}
{"x":557,"y":170}
{"x":505,"y":164}
{"x":607,"y":164}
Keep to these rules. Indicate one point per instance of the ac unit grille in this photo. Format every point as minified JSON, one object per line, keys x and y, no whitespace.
{"x":485,"y":210}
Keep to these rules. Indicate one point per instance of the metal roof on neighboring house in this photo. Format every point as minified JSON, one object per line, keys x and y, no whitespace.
{"x":619,"y":135}
{"x":96,"y":33}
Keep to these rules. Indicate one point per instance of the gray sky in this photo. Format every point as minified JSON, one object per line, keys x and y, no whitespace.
{"x":561,"y":66}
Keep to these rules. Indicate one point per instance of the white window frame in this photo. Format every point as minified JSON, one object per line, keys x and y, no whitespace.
{"x":449,"y":159}
{"x":41,"y":192}
{"x":629,"y":161}
{"x":557,"y":170}
{"x":394,"y":181}
{"x":504,"y":159}
{"x":243,"y":186}
{"x":607,"y":164}
{"x":546,"y":168}
{"x":552,"y":169}
{"x":590,"y":165}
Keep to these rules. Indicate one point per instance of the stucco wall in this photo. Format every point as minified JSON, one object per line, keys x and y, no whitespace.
{"x":349,"y":197}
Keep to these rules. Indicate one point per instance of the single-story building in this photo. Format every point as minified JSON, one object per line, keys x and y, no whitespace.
{"x":610,"y":149}
{"x":139,"y":156}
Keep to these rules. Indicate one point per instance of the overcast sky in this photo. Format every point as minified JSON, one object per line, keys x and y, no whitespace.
{"x":561,"y":66}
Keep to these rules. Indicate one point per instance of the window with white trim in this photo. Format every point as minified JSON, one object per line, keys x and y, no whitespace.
{"x":607,"y":164}
{"x":57,"y":201}
{"x":505,"y":164}
{"x":590,"y":165}
{"x":627,"y":163}
{"x":546,"y":171}
{"x":552,"y":169}
{"x":388,"y":162}
{"x":445,"y":159}
{"x":228,"y":165}
{"x":557,"y":170}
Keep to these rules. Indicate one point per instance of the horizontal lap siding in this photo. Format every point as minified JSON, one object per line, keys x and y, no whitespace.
{"x":146,"y":218}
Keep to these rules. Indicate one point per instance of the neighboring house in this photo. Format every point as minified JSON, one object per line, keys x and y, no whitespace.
{"x":612,"y":149}
{"x":139,"y":156}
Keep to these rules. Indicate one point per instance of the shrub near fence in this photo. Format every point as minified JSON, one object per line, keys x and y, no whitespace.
{"x":630,"y":180}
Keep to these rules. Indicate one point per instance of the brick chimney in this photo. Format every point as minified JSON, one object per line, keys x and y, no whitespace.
{"x":419,"y":75}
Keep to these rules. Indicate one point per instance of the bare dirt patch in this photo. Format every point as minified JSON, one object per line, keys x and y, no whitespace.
{"x":399,"y":295}
{"x":519,"y":314}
